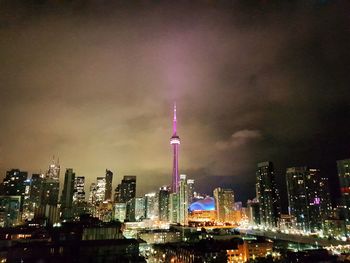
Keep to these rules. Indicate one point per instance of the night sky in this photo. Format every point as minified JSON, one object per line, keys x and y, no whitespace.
{"x":94,"y":83}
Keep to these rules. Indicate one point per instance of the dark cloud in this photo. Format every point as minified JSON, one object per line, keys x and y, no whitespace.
{"x":94,"y":83}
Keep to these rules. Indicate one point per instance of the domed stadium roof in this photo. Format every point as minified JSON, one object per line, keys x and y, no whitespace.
{"x":207,"y":204}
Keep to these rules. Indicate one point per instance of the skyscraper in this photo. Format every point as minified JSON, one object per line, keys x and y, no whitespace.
{"x":51,"y":184}
{"x":36,"y":189}
{"x":224,"y":203}
{"x":152,"y":206}
{"x":135,"y":210}
{"x":344,"y":179}
{"x":54,"y":170}
{"x":175,"y":142}
{"x":92,"y":194}
{"x":79,"y":189}
{"x":190,"y":183}
{"x":100,"y":189}
{"x":127,"y":189}
{"x":14,"y":184}
{"x":308,"y":197}
{"x":68,"y":192}
{"x":183,"y":201}
{"x":267,"y":194}
{"x":109,"y":178}
{"x":164,"y":203}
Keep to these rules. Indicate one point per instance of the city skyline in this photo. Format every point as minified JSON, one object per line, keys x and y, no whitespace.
{"x":106,"y":104}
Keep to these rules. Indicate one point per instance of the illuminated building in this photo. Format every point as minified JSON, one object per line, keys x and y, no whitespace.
{"x":54,"y":170}
{"x":183,"y":201}
{"x":206,"y":204}
{"x":308,"y":197}
{"x":164,"y":203}
{"x":36,"y":189}
{"x":173,"y":207}
{"x":344,"y":180}
{"x":79,"y":192}
{"x":126,"y":190}
{"x":10,"y":214}
{"x":253,"y":212}
{"x":51,"y":184}
{"x":203,"y":210}
{"x":100,"y":189}
{"x":92,"y":194}
{"x":152,"y":206}
{"x":14,"y":184}
{"x":135,"y":210}
{"x":287,"y":222}
{"x":105,"y":211}
{"x":224,"y":203}
{"x":190,"y":183}
{"x":120,"y":211}
{"x":175,"y":142}
{"x":267,"y":194}
{"x":109,"y":178}
{"x":50,"y":191}
{"x":202,"y":216}
{"x":67,"y":193}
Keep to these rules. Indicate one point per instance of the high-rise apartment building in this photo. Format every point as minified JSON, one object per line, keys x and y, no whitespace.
{"x":119,"y":211}
{"x":224,"y":203}
{"x":14,"y":184}
{"x":308,"y":197}
{"x":100,"y":189}
{"x":67,"y":192}
{"x":344,"y":180}
{"x":10,"y":214}
{"x":183,"y":201}
{"x":152,"y":206}
{"x":174,"y":207}
{"x":267,"y":194}
{"x":79,"y":189}
{"x":135,"y":209}
{"x":92,"y":194}
{"x":164,"y":203}
{"x":109,"y":178}
{"x":36,"y":189}
{"x":190,"y":183}
{"x":126,"y":189}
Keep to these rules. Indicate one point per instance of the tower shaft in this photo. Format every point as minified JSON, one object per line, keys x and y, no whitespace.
{"x":175,"y":142}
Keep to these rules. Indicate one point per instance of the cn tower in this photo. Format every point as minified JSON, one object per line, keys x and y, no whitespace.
{"x":175,"y":142}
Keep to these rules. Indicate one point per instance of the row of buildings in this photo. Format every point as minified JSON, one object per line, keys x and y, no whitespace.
{"x":309,"y":204}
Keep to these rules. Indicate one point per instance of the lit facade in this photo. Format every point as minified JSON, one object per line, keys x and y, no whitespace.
{"x":308,"y":197}
{"x":344,"y":180}
{"x":126,"y":190}
{"x":79,"y":189}
{"x":109,"y":179}
{"x":173,"y":207}
{"x":152,"y":206}
{"x":190,"y":183}
{"x":175,"y":142}
{"x":100,"y":189}
{"x":120,"y":211}
{"x":183,"y":201}
{"x":224,"y":203}
{"x":14,"y":184}
{"x":10,"y":214}
{"x":267,"y":194}
{"x":164,"y":203}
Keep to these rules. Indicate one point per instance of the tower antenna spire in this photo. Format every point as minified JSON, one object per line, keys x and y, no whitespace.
{"x":174,"y":120}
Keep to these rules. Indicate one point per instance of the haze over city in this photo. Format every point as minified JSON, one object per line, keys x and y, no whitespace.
{"x":94,"y":83}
